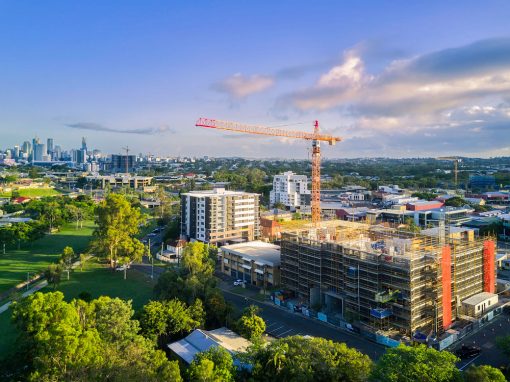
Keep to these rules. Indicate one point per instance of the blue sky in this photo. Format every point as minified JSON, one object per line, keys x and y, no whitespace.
{"x":394,"y":78}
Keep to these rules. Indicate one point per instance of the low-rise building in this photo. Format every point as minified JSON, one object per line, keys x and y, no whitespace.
{"x":479,"y":304}
{"x":120,"y":180}
{"x":256,"y":263}
{"x":202,"y":340}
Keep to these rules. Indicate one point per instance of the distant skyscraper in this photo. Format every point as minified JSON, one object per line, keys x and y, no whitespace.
{"x":81,"y":156}
{"x":39,"y":152}
{"x":50,"y":146}
{"x":26,"y":147}
{"x":57,"y":152}
{"x":84,"y":143}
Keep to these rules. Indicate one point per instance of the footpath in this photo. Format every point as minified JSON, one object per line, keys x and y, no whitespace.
{"x":36,"y":287}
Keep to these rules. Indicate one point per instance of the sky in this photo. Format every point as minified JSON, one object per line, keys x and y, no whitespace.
{"x":392,"y":78}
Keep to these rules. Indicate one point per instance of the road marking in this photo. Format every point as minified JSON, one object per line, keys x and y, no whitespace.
{"x":281,"y":327}
{"x":467,"y":364}
{"x":285,"y":332}
{"x":273,"y":324}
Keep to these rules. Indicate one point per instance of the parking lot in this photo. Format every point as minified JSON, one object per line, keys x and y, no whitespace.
{"x":279,"y":329}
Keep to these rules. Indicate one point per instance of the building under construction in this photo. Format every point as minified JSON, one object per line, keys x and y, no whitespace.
{"x":385,"y":278}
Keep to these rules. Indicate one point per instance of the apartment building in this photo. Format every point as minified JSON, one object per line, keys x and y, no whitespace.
{"x":389,"y":279}
{"x":219,"y":216}
{"x":291,"y":190}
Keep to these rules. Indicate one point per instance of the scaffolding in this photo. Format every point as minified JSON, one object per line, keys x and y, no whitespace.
{"x":386,"y":278}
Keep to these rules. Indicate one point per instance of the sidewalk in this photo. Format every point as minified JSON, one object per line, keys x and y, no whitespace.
{"x":38,"y":287}
{"x":34,"y":289}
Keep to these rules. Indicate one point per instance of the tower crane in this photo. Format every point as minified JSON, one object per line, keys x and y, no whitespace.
{"x":316,"y":137}
{"x":455,"y":161}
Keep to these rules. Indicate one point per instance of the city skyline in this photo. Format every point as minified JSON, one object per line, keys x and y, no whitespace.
{"x":399,"y":80}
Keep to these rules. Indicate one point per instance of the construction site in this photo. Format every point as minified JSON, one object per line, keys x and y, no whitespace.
{"x":392,"y":281}
{"x":389,"y":280}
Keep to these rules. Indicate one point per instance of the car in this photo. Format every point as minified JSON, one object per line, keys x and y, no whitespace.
{"x":238,"y":282}
{"x":468,"y":351}
{"x":152,"y":234}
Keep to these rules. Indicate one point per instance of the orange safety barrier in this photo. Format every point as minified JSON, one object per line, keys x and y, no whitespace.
{"x":446,"y":269}
{"x":489,"y":265}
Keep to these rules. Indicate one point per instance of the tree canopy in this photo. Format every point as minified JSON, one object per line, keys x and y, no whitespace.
{"x":419,"y":363}
{"x":82,"y":341}
{"x":309,"y":359}
{"x":117,"y":224}
{"x":213,"y":365}
{"x":250,"y":325}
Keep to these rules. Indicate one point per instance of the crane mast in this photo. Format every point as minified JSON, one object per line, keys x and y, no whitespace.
{"x":316,"y":137}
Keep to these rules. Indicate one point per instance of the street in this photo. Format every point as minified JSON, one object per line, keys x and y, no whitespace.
{"x":283,"y":323}
{"x":486,"y":340}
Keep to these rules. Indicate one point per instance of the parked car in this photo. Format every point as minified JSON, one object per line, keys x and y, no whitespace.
{"x":468,"y":351}
{"x":238,"y":282}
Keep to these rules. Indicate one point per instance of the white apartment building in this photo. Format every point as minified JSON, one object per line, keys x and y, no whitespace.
{"x":219,"y":216}
{"x":290,"y":189}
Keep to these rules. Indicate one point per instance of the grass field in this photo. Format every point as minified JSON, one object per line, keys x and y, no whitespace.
{"x":35,"y":256}
{"x":33,"y":192}
{"x":96,"y":279}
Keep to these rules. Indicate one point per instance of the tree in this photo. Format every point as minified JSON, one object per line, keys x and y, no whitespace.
{"x":83,"y":259}
{"x":298,"y":358}
{"x":503,"y":343}
{"x":214,"y":364}
{"x":250,"y":325}
{"x":163,"y":321}
{"x":483,"y":373}
{"x":66,"y":259}
{"x":53,"y":275}
{"x":117,"y":223}
{"x":81,"y":341}
{"x":405,"y":363}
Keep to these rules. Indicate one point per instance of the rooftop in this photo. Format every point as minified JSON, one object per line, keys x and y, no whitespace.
{"x":259,"y":251}
{"x":216,"y":192}
{"x":201,"y":340}
{"x":479,"y":298}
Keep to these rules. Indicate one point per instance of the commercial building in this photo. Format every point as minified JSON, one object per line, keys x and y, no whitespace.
{"x":291,"y":190}
{"x":122,"y":163}
{"x":255,"y":262}
{"x":387,"y":279}
{"x":120,"y":180}
{"x":220,"y":216}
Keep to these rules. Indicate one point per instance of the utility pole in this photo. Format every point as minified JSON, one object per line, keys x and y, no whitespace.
{"x":152,"y":267}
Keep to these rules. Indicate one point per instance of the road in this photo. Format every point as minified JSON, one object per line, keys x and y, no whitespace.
{"x":283,"y":323}
{"x":486,"y":340}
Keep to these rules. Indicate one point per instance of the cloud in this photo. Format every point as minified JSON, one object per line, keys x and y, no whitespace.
{"x":143,"y":131}
{"x":239,"y":86}
{"x":426,"y":85}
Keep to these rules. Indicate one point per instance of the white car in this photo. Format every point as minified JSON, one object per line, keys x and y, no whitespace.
{"x":238,"y":282}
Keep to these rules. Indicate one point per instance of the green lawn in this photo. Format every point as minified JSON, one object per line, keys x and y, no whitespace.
{"x":33,"y":192}
{"x":35,"y":256}
{"x":96,"y":279}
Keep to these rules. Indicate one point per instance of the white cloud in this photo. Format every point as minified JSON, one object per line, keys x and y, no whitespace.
{"x":240,"y":86}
